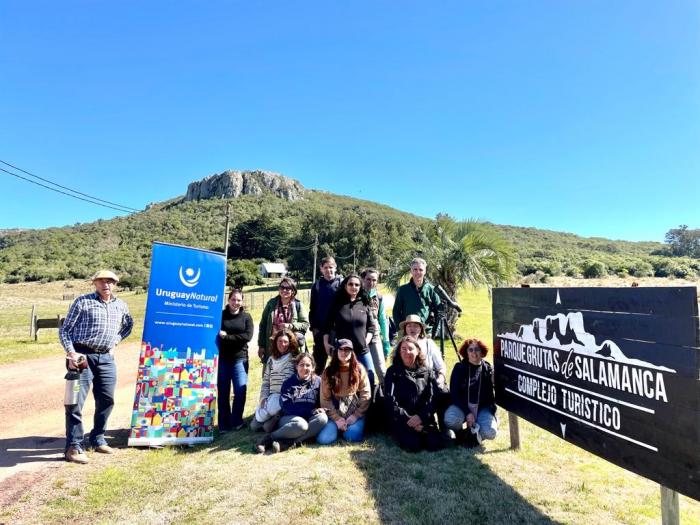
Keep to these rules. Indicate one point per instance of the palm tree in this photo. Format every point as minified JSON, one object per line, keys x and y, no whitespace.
{"x":460,"y":253}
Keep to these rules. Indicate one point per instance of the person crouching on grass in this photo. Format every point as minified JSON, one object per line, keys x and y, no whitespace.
{"x":473,"y":401}
{"x":302,"y":419}
{"x":411,"y":391}
{"x":277,"y":370}
{"x":345,"y":394}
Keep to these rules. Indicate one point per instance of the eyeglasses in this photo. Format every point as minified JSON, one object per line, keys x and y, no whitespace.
{"x":287,"y":288}
{"x":345,"y":349}
{"x":474,"y":349}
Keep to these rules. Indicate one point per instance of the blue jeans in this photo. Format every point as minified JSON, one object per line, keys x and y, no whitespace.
{"x":488,"y":423}
{"x":366,"y":360}
{"x":101,"y":373}
{"x":329,"y":433}
{"x":235,"y":372}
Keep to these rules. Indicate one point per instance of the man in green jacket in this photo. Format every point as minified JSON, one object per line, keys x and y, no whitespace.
{"x":416,"y":297}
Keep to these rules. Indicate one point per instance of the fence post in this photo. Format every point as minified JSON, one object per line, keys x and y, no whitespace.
{"x":32,"y":327}
{"x":514,"y":426}
{"x":670,"y":514}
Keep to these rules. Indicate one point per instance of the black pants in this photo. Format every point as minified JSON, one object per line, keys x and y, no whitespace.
{"x":320,"y":355}
{"x":411,"y":441}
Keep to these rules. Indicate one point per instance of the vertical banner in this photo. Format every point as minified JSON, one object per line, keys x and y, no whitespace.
{"x":175,"y":398}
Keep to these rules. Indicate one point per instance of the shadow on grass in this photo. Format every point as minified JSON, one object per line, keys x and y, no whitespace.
{"x":450,"y":486}
{"x":33,"y":449}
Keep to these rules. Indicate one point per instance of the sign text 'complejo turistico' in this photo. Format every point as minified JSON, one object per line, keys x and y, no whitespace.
{"x":612,"y":370}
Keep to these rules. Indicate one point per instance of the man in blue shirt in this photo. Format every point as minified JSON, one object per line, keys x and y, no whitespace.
{"x":94,"y":325}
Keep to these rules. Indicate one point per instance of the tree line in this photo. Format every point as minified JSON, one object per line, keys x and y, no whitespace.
{"x":358,"y":233}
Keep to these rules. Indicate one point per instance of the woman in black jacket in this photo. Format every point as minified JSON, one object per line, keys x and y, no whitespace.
{"x":410,"y":391}
{"x":235,"y":333}
{"x":471,"y":388}
{"x":351,"y":318}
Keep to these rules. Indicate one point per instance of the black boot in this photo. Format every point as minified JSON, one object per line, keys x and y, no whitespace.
{"x":263,"y":443}
{"x":280,"y":445}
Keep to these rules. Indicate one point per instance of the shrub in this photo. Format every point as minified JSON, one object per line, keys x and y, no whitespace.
{"x":641,"y":269}
{"x":243,"y":272}
{"x":594,"y":269}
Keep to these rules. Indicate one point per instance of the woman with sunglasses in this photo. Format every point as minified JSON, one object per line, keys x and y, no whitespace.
{"x":351,"y":317}
{"x":473,"y":401}
{"x":284,"y":312}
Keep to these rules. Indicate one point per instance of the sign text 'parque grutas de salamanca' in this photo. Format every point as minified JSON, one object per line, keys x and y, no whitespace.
{"x":612,"y":370}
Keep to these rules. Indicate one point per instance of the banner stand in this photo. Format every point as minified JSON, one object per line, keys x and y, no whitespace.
{"x":175,"y":398}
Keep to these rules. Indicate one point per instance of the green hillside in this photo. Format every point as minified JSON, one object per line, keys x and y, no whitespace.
{"x":274,"y":228}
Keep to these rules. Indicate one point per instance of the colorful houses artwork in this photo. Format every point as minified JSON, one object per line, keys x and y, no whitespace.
{"x":175,"y":399}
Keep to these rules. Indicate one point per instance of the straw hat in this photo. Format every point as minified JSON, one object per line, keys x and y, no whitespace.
{"x":105,"y":274}
{"x":413,"y":318}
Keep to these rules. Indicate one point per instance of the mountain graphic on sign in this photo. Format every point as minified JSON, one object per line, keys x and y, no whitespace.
{"x":567,"y":332}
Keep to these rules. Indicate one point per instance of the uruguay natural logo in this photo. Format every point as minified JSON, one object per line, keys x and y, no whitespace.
{"x":189,"y":277}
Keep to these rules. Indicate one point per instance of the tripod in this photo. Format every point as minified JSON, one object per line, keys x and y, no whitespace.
{"x":441,"y":327}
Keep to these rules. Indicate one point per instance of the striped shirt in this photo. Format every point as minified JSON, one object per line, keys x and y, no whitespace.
{"x":94,"y":323}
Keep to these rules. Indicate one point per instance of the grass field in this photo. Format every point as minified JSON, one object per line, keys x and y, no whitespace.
{"x":547,"y":481}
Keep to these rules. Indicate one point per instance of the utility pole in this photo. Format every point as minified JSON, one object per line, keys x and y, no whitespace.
{"x":315,"y":255}
{"x":228,"y":218}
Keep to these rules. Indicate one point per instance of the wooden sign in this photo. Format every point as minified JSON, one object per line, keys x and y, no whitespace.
{"x":614,"y":371}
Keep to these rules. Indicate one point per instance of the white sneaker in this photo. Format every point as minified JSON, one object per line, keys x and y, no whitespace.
{"x":475,"y":430}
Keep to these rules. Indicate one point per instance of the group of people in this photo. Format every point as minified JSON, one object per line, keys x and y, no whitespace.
{"x":320,"y":394}
{"x":326,"y":393}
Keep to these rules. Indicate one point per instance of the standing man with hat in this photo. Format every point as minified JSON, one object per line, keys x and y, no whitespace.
{"x":94,"y":325}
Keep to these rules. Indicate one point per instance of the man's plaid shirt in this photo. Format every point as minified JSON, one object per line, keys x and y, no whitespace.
{"x":95,"y":323}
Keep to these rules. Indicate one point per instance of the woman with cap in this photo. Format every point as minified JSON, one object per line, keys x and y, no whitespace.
{"x":284,"y":312}
{"x":345,"y":394}
{"x":473,"y":401}
{"x":410,"y":390}
{"x":235,"y":334}
{"x":351,"y":318}
{"x":276,"y":371}
{"x":302,"y":419}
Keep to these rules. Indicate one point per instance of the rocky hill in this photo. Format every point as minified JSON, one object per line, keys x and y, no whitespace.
{"x":233,"y":184}
{"x":276,"y":218}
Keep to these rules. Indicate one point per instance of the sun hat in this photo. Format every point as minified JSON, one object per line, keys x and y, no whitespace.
{"x":413,"y":318}
{"x":106,"y":274}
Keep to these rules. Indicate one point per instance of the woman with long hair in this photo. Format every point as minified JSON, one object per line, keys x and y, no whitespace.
{"x":345,"y":394}
{"x":302,"y":419}
{"x":473,"y":400}
{"x":277,"y":369}
{"x":235,"y":334}
{"x":410,"y":391}
{"x":351,"y":318}
{"x":283,"y":312}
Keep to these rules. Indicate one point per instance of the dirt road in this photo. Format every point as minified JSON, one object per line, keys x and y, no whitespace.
{"x":32,"y":428}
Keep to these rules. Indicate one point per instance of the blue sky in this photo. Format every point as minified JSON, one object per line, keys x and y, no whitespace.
{"x":572,"y":116}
